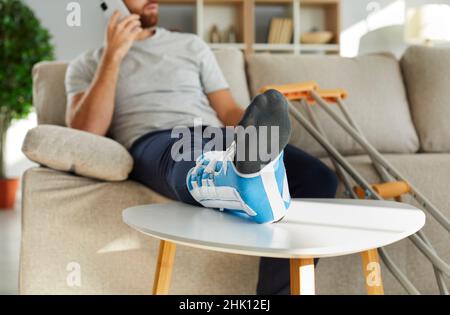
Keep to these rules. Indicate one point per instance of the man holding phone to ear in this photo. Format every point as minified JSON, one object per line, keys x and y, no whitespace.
{"x":147,"y":80}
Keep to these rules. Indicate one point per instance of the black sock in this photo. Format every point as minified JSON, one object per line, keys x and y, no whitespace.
{"x":266,"y":110}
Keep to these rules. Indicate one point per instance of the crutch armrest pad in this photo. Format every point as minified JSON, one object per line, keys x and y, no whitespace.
{"x":386,"y":190}
{"x":293,"y":91}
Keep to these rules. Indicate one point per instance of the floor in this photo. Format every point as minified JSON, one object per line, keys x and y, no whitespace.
{"x":10,"y":229}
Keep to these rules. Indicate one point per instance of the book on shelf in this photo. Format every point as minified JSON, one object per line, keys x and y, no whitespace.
{"x":280,"y":31}
{"x":288,"y":27}
{"x":273,"y":25}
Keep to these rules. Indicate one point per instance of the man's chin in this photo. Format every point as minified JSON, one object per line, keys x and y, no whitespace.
{"x":149,"y":21}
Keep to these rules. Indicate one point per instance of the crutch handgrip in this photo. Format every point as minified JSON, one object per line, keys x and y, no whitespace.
{"x":294,"y":91}
{"x":386,"y":190}
{"x":330,"y":96}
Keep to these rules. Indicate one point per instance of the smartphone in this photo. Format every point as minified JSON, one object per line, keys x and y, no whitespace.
{"x":110,"y":6}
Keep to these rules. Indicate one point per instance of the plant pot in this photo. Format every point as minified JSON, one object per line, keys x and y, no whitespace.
{"x":8,"y":189}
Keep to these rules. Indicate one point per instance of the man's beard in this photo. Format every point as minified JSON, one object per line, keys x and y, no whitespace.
{"x":150,"y":20}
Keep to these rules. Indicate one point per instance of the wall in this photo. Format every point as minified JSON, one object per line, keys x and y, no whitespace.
{"x":379,"y":23}
{"x":70,"y":41}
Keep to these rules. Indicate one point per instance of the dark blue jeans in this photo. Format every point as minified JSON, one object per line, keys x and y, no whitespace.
{"x":154,"y":167}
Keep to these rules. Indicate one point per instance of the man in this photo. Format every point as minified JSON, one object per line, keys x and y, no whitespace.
{"x":146,"y":81}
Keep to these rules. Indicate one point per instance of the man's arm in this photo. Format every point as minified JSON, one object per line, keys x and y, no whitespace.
{"x":228,"y":111}
{"x":92,"y":111}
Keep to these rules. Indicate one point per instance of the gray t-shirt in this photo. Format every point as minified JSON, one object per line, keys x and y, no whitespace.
{"x":163,"y":83}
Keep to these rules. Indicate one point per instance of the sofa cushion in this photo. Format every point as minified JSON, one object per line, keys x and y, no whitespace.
{"x":49,"y":92}
{"x":427,"y":76}
{"x":80,"y":152}
{"x":232,"y":63}
{"x":49,"y":96}
{"x":377,"y":98}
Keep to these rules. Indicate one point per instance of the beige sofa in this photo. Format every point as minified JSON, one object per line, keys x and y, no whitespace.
{"x":72,"y":203}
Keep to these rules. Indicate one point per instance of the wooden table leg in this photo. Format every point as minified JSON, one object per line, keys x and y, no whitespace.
{"x":302,"y":276}
{"x":372,"y":272}
{"x":164,"y":267}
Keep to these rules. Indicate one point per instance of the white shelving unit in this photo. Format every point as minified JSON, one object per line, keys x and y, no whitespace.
{"x":242,"y":14}
{"x":227,"y":45}
{"x":319,"y":48}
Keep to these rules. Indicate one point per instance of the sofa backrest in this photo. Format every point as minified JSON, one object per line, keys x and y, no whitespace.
{"x":427,"y":75}
{"x":49,"y":93}
{"x":377,"y":98}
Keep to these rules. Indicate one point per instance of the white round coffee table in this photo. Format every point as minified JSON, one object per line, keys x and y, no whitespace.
{"x":313,"y":228}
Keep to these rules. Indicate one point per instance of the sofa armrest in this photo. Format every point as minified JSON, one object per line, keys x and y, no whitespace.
{"x":79,"y":152}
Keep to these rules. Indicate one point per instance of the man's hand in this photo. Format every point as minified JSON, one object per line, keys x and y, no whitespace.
{"x":121,"y":35}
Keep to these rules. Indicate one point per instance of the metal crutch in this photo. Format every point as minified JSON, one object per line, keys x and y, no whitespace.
{"x":419,"y":240}
{"x":294,"y":91}
{"x":386,"y":177}
{"x":371,"y":255}
{"x":422,"y":245}
{"x":398,"y":274}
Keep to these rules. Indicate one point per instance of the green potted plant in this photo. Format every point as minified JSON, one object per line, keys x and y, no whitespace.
{"x":23,"y":43}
